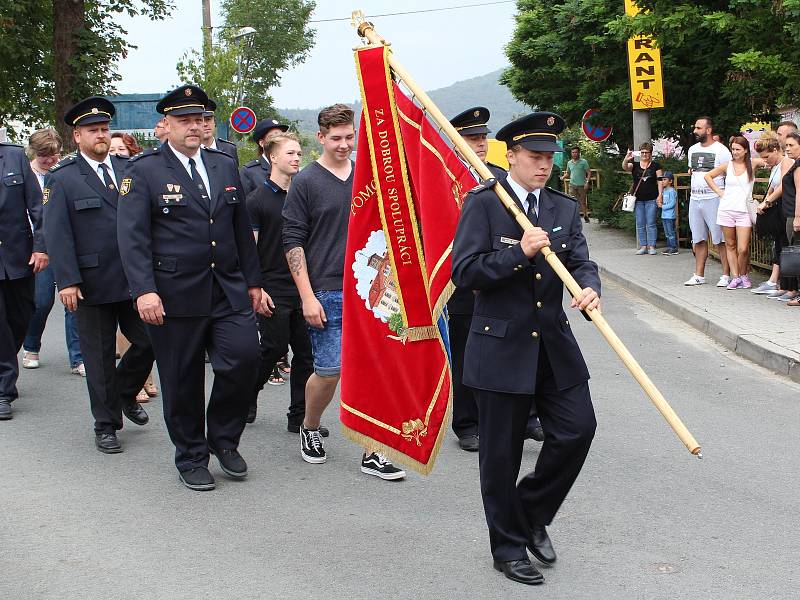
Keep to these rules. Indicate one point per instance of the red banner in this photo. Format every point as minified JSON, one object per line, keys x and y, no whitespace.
{"x":407,"y":191}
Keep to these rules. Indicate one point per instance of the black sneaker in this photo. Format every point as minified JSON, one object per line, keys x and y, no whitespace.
{"x":323,"y":431}
{"x":231,"y":462}
{"x":311,"y":448}
{"x":5,"y":410}
{"x":198,"y":479}
{"x":380,"y":466}
{"x":107,"y":443}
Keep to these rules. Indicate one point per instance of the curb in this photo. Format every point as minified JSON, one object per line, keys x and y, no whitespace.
{"x":750,"y":346}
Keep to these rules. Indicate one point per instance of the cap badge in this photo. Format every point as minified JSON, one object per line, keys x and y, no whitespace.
{"x":187,"y":92}
{"x":477,"y":113}
{"x":551,"y":121}
{"x":94,"y":111}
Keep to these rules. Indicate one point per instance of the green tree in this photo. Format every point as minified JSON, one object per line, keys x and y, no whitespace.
{"x":726,"y":58}
{"x":282,"y":40}
{"x":56,"y":52}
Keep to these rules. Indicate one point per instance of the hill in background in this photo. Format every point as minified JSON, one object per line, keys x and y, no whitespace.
{"x":484,"y":90}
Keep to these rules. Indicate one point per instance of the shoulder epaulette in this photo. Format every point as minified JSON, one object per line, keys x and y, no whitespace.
{"x":144,"y":153}
{"x":484,"y":185}
{"x":217,"y":150}
{"x":12,"y":144}
{"x":252,"y":163}
{"x":562,"y":194}
{"x":69,"y":159}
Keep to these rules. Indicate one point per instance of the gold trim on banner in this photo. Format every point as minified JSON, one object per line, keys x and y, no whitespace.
{"x":372,"y":420}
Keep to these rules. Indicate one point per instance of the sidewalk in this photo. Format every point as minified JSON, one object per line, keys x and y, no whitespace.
{"x":766,"y":332}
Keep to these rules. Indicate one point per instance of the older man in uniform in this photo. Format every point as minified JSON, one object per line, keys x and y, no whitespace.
{"x":80,"y":210}
{"x":22,"y":253}
{"x":190,"y":257}
{"x":256,"y":172}
{"x":210,"y":139}
{"x":520,"y":348}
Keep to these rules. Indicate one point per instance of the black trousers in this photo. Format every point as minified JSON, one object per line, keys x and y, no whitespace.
{"x":286,"y":327}
{"x":465,"y":410}
{"x":231,"y":340}
{"x":569,"y":425}
{"x":16,"y":308}
{"x":111,"y":385}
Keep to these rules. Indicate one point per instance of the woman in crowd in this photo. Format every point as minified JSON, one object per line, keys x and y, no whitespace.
{"x":124,"y":145}
{"x":44,"y":148}
{"x":733,"y":214}
{"x":770,"y":223}
{"x":791,"y":212}
{"x":647,"y":187}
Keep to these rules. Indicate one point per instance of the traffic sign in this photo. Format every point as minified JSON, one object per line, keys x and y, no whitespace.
{"x":596,"y":133}
{"x":243,"y":120}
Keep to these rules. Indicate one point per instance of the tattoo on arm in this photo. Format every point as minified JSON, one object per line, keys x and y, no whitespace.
{"x":296,"y":258}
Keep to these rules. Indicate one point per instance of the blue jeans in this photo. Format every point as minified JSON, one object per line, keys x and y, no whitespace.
{"x":44,"y":297}
{"x":669,"y":233}
{"x":326,"y":343}
{"x":646,"y":222}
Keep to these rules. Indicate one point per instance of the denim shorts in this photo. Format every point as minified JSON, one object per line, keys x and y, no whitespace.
{"x":326,"y":343}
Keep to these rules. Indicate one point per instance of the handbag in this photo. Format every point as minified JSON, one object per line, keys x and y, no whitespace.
{"x":751,"y":209}
{"x":771,"y":224}
{"x":790,"y":261}
{"x":628,"y":203}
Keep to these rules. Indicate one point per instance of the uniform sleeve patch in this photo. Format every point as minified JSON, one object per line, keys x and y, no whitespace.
{"x":45,"y":196}
{"x":125,"y":186}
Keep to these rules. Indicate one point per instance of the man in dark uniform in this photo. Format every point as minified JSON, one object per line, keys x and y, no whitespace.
{"x":254,"y":173}
{"x":80,"y":216}
{"x":189,"y":254}
{"x":22,"y":253}
{"x":472,"y":126}
{"x":520,"y":347}
{"x":210,"y":139}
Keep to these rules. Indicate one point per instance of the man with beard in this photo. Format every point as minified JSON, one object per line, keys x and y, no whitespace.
{"x":80,"y":206}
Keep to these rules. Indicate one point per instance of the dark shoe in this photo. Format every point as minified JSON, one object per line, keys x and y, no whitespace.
{"x":107,"y":443}
{"x":378,"y":465}
{"x":535,"y":433}
{"x":520,"y":570}
{"x":540,"y":545}
{"x":5,"y":410}
{"x":470,"y":443}
{"x":251,"y":413}
{"x":585,"y":219}
{"x":198,"y":479}
{"x":231,"y":462}
{"x":323,"y":431}
{"x":135,"y":413}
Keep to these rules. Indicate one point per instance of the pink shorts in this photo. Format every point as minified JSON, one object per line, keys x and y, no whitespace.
{"x":733,"y":218}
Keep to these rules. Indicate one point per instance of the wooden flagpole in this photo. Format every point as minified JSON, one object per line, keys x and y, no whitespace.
{"x":367,"y":30}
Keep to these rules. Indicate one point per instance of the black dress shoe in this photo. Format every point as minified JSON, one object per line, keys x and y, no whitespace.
{"x":5,"y":410}
{"x":540,"y":545}
{"x":323,"y":431}
{"x":470,"y":443}
{"x":107,"y":443}
{"x":535,"y":433}
{"x":520,"y":570}
{"x":198,"y":479}
{"x":251,"y":413}
{"x":135,"y":413}
{"x":231,"y":462}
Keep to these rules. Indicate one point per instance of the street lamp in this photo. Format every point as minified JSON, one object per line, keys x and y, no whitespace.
{"x":242,"y":35}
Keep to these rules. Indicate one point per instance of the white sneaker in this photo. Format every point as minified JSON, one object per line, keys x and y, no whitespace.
{"x":695,"y":280}
{"x":30,"y":360}
{"x":724,"y":280}
{"x":79,"y":370}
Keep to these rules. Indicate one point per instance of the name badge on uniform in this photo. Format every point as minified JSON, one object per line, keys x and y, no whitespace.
{"x":173,"y":197}
{"x":559,"y":228}
{"x":505,"y":240}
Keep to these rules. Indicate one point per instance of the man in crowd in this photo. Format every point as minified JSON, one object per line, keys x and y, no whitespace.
{"x":785,"y":128}
{"x":22,"y":254}
{"x":191,"y":261}
{"x":704,"y":203}
{"x":210,"y":139}
{"x":80,"y":206}
{"x":256,"y":172}
{"x":316,"y":217}
{"x":521,"y":349}
{"x":160,"y":130}
{"x":577,"y":174}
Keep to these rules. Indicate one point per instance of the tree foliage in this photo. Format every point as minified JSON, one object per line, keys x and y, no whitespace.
{"x":282,"y":40}
{"x":55,"y":52}
{"x":731,"y":59}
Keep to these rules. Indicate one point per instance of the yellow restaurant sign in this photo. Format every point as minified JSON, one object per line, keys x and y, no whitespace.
{"x":644,"y":68}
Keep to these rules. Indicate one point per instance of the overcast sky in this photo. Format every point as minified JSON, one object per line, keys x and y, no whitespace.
{"x":437,"y":48}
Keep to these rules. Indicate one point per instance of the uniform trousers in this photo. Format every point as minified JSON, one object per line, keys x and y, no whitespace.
{"x":465,"y":410}
{"x":16,"y":307}
{"x":286,"y":327}
{"x":231,"y":340}
{"x":112,"y":386}
{"x":569,"y":424}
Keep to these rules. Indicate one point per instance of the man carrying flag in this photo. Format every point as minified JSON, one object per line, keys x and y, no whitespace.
{"x":520,"y":347}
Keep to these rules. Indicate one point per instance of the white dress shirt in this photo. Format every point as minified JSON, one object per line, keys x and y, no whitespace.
{"x":98,"y":171}
{"x":522,"y":194}
{"x":198,"y":160}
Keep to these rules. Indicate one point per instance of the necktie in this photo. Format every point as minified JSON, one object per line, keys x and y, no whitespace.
{"x":533,"y":213}
{"x":198,"y":180}
{"x":107,"y":179}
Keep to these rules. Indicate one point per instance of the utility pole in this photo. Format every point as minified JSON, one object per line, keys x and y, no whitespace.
{"x":207,"y":40}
